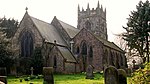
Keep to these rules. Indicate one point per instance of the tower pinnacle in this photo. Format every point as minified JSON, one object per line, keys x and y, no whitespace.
{"x":98,"y":4}
{"x":78,"y":7}
{"x":88,"y":6}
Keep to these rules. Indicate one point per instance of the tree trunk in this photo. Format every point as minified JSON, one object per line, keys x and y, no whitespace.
{"x":147,"y":47}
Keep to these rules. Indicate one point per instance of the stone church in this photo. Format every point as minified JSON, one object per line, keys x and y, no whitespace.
{"x":66,"y":48}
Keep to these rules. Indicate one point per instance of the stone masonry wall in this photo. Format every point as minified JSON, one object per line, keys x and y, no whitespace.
{"x":97,"y":49}
{"x":26,"y":25}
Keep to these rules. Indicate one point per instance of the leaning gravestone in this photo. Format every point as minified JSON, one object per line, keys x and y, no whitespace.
{"x":48,"y":75}
{"x":122,"y":76}
{"x":3,"y":73}
{"x":89,"y":72}
{"x":111,"y":75}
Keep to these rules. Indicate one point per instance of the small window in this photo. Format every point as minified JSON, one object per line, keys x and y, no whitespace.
{"x":55,"y":62}
{"x":84,"y":49}
{"x":91,"y":51}
{"x":88,"y":25}
{"x":77,"y":50}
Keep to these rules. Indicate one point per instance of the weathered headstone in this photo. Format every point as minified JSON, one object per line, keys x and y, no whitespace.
{"x":111,"y":75}
{"x":89,"y":72}
{"x":122,"y":76}
{"x":48,"y":75}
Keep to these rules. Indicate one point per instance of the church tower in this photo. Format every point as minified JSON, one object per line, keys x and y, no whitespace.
{"x":93,"y":20}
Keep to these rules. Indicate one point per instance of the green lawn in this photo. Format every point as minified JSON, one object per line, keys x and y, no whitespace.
{"x":63,"y":79}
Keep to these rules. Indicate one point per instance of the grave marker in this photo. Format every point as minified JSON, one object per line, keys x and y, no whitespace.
{"x":122,"y":76}
{"x":48,"y":75}
{"x":111,"y":75}
{"x":89,"y":72}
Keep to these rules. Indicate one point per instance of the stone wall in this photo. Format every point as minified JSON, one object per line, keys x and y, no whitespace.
{"x":70,"y":67}
{"x":97,"y":46}
{"x":26,"y":25}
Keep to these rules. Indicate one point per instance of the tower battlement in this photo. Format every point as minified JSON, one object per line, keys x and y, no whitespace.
{"x":92,"y":12}
{"x":93,"y":20}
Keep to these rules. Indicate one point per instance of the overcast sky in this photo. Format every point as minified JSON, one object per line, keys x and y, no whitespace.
{"x":66,"y":10}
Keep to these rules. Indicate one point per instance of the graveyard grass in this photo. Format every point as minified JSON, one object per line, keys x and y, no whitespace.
{"x":63,"y":79}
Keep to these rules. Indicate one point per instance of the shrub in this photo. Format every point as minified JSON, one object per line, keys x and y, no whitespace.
{"x":142,"y":76}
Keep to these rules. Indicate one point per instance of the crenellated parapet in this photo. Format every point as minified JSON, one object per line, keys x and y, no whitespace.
{"x":92,"y":12}
{"x":93,"y":19}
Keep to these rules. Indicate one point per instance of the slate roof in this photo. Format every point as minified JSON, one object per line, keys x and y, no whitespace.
{"x":66,"y":54}
{"x":48,"y":32}
{"x":108,"y":43}
{"x":71,"y":30}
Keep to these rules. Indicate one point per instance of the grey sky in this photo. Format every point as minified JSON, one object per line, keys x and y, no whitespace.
{"x":66,"y":10}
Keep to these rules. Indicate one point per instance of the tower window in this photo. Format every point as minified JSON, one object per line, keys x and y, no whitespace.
{"x":88,"y":25}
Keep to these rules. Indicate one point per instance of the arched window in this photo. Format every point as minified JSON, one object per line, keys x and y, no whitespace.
{"x":88,"y":25}
{"x":26,"y":45}
{"x":105,"y":57}
{"x":55,"y":62}
{"x":77,"y":50}
{"x":84,"y":49}
{"x":91,"y":52}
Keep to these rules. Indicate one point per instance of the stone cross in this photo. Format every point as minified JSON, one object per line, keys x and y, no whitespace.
{"x":89,"y":72}
{"x":111,"y":75}
{"x":31,"y":70}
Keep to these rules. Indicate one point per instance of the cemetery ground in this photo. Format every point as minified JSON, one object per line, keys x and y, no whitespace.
{"x":59,"y":79}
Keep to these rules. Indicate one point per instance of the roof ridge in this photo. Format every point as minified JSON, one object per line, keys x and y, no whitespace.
{"x":40,"y":20}
{"x":98,"y":37}
{"x":67,"y":23}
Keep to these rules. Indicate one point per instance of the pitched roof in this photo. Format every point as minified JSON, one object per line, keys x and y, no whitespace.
{"x":71,"y":30}
{"x":104,"y":41}
{"x":48,"y":31}
{"x":66,"y":54}
{"x":108,"y":43}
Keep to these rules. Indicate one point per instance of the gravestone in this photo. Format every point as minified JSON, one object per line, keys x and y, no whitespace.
{"x":122,"y":76}
{"x":111,"y":75}
{"x":48,"y":75}
{"x":89,"y":72}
